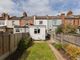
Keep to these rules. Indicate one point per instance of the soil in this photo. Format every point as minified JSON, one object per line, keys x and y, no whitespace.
{"x":64,"y":54}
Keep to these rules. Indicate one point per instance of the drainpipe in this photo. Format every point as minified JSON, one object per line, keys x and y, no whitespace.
{"x":6,"y":19}
{"x":34,"y":19}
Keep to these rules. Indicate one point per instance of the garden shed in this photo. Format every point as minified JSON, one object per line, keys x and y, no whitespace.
{"x":37,"y":32}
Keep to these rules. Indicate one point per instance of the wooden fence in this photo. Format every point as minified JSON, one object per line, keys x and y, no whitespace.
{"x":68,"y":38}
{"x":8,"y":43}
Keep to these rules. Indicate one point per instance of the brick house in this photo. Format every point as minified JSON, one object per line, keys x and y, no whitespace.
{"x":26,"y":20}
{"x":69,"y":18}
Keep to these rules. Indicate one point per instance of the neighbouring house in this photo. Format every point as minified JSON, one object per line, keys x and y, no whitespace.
{"x":12,"y":21}
{"x":37,"y":32}
{"x":41,"y":20}
{"x":3,"y":19}
{"x":51,"y":22}
{"x":9,"y":22}
{"x":21,"y":29}
{"x":3,"y":22}
{"x":26,"y":20}
{"x":3,"y":28}
{"x":78,"y":30}
{"x":69,"y":18}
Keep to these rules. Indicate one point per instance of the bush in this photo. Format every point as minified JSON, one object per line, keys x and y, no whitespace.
{"x":58,"y":46}
{"x":24,"y":43}
{"x":69,"y":29}
{"x":73,"y":51}
{"x":66,"y":29}
{"x":59,"y":29}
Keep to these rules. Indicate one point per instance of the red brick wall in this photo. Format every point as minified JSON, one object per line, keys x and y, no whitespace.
{"x":22,"y":22}
{"x":79,"y":22}
{"x":75,"y":22}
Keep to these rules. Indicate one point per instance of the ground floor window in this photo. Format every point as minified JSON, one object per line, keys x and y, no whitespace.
{"x":17,"y":30}
{"x":36,"y":31}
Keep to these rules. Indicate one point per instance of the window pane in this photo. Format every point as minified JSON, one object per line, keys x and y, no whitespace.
{"x":2,"y":23}
{"x":35,"y":31}
{"x":12,"y":23}
{"x":17,"y":30}
{"x":38,"y":30}
{"x":40,"y":22}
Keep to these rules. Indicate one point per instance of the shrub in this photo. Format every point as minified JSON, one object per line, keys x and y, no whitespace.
{"x":59,"y":29}
{"x":73,"y":51}
{"x":58,"y":46}
{"x":68,"y":28}
{"x":24,"y":43}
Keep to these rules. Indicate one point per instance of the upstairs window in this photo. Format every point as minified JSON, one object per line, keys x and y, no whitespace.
{"x":40,"y":22}
{"x":2,"y":23}
{"x":13,"y":23}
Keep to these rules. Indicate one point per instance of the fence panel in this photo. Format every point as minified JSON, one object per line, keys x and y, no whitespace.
{"x":1,"y":45}
{"x":68,"y":38}
{"x":12,"y":43}
{"x":5,"y":43}
{"x":8,"y":43}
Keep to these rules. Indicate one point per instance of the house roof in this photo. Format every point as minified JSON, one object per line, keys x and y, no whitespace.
{"x":1,"y":18}
{"x":73,"y":17}
{"x":37,"y":26}
{"x":54,"y":17}
{"x":20,"y":26}
{"x":3,"y":26}
{"x":47,"y":17}
{"x":14,"y":18}
{"x":27,"y":18}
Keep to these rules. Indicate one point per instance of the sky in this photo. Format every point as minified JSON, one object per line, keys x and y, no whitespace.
{"x":39,"y":7}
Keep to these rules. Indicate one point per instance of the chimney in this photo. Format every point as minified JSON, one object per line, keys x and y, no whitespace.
{"x":70,"y":13}
{"x":24,"y":14}
{"x":62,"y":14}
{"x":63,"y":18}
{"x":6,"y":16}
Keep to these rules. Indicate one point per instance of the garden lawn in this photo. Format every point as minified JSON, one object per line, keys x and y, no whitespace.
{"x":39,"y":51}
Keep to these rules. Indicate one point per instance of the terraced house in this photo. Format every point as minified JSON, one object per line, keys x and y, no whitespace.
{"x":7,"y":22}
{"x":51,"y":22}
{"x":70,"y":18}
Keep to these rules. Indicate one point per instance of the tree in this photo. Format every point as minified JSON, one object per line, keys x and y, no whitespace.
{"x":59,"y":29}
{"x":68,"y":28}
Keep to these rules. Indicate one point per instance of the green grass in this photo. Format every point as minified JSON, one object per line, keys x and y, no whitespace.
{"x":39,"y":51}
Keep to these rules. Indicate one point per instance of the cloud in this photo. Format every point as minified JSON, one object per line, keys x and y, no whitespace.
{"x":6,"y":6}
{"x":39,"y":7}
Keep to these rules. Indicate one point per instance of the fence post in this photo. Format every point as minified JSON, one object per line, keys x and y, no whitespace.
{"x":62,"y":40}
{"x":2,"y":43}
{"x":9,"y":43}
{"x":14,"y":40}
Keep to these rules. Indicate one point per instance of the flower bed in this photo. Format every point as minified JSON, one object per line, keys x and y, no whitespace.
{"x":69,"y":51}
{"x":73,"y":51}
{"x":59,"y":47}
